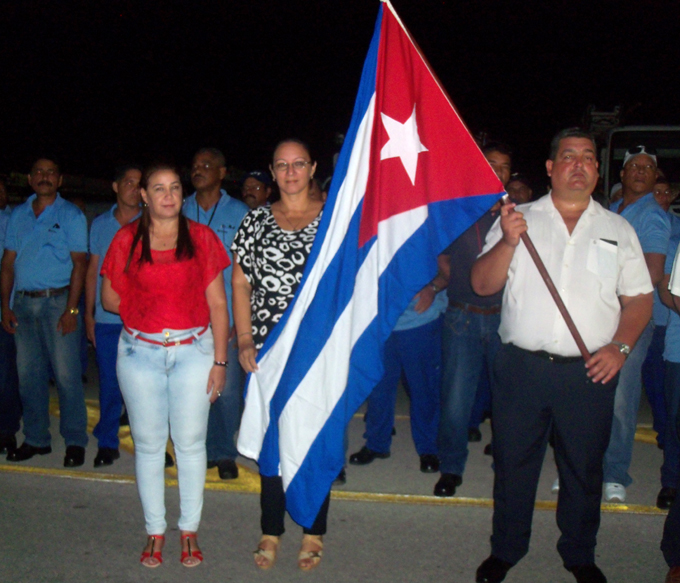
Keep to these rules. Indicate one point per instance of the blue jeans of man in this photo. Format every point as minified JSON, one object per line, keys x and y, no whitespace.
{"x":626,"y":405}
{"x":10,"y":401}
{"x":653,"y":371}
{"x":416,"y":352}
{"x":40,"y":345}
{"x":670,"y":469}
{"x":469,"y":340}
{"x":110,"y":398}
{"x":225,"y":412}
{"x":164,"y":388}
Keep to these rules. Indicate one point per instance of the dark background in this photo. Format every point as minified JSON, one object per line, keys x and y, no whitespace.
{"x":98,"y":83}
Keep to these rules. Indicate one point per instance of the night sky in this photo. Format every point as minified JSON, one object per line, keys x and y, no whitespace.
{"x":98,"y":83}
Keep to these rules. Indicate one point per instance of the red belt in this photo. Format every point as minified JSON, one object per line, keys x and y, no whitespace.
{"x":167,"y":342}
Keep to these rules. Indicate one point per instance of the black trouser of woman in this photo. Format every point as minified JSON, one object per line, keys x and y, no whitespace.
{"x":273,"y":505}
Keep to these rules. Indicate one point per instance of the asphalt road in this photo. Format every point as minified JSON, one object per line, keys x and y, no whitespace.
{"x":85,"y":525}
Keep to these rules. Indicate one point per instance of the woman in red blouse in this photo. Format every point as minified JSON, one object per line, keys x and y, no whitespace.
{"x":163,"y":274}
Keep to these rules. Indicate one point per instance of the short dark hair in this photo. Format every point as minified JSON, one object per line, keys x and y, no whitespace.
{"x":213,"y":152}
{"x":49,"y":157}
{"x":496,"y":146}
{"x":574,"y":132}
{"x":120,"y":171}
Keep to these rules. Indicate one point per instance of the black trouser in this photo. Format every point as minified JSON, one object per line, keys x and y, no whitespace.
{"x":273,"y":505}
{"x":532,"y":397}
{"x":10,"y":401}
{"x":670,"y":543}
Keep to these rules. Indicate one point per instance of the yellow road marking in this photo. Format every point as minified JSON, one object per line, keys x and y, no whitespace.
{"x":246,"y":485}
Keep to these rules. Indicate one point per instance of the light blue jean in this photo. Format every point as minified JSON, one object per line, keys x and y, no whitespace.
{"x":40,"y":345}
{"x":165,"y":392}
{"x":468,"y":341}
{"x":626,"y":405}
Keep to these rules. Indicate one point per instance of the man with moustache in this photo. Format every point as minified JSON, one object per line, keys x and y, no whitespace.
{"x":256,"y":188}
{"x":104,"y":328}
{"x":543,"y":386}
{"x":212,"y":206}
{"x":45,"y":261}
{"x":653,"y":228}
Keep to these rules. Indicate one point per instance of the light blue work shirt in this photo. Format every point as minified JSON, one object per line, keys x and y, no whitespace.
{"x":102,"y":232}
{"x":652,"y":224}
{"x":4,"y":219}
{"x":411,"y":319}
{"x":671,"y":350}
{"x":224,"y":219}
{"x":44,"y":244}
{"x":660,"y":313}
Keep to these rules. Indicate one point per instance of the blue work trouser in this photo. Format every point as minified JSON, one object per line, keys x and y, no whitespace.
{"x":110,"y":398}
{"x":416,"y":352}
{"x":225,"y":412}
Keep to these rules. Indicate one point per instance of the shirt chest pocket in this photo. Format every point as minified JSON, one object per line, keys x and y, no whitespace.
{"x":603,"y":258}
{"x":55,"y":239}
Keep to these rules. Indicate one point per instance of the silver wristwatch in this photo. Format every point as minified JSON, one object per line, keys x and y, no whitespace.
{"x":623,"y":348}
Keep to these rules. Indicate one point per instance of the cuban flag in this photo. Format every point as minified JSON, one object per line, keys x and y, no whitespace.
{"x":409,"y":180}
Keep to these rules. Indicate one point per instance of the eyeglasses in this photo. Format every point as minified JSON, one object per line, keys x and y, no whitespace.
{"x":298,"y":166}
{"x":250,"y":187}
{"x":204,"y":166}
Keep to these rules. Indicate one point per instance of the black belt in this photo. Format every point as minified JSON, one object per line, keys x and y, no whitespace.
{"x":475,"y":309}
{"x":44,"y":293}
{"x":556,"y":358}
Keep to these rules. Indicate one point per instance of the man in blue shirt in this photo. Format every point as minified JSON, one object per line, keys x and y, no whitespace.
{"x":653,"y":228}
{"x":45,"y":261}
{"x":212,"y":206}
{"x":10,"y":403}
{"x":103,"y":328}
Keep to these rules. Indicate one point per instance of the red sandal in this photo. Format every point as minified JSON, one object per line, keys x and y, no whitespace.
{"x":190,"y":553}
{"x":153,"y":555}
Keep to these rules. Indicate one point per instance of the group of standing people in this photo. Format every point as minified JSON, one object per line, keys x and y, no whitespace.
{"x":181,"y":290}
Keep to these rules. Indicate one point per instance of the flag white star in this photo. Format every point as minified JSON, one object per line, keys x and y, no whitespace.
{"x":404,"y":143}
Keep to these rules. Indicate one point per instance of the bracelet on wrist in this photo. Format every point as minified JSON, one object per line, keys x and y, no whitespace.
{"x":245,"y":334}
{"x":223,"y":363}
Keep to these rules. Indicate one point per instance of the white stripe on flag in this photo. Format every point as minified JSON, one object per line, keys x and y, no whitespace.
{"x":263,"y":383}
{"x":318,"y":393}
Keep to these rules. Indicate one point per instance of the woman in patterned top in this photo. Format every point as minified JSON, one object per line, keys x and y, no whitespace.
{"x":270,"y":252}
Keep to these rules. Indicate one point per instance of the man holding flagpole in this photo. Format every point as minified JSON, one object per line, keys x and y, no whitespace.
{"x":543,"y":385}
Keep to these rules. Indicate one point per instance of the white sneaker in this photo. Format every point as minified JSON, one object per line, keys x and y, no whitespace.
{"x":556,"y":486}
{"x":614,"y":492}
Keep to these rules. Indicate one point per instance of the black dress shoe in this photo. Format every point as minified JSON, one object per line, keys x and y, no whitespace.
{"x":492,"y":570}
{"x":429,"y":463}
{"x":26,"y":452}
{"x":8,"y":443}
{"x":227,"y":469}
{"x":366,"y":456}
{"x":447,"y":484}
{"x":106,"y":456}
{"x":341,"y":480}
{"x":75,"y":456}
{"x":474,"y":435}
{"x":169,"y":462}
{"x":666,"y":497}
{"x":588,"y":574}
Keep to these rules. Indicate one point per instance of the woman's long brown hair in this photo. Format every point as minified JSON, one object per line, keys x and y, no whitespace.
{"x":185,"y":246}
